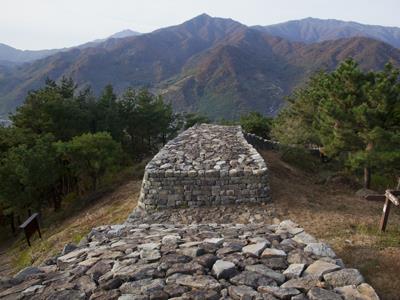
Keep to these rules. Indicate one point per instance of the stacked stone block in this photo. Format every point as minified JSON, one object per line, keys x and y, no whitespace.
{"x":205,"y":165}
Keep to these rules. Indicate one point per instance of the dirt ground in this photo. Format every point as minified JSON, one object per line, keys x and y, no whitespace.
{"x":349,"y":224}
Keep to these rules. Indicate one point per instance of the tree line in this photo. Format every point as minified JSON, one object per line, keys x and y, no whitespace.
{"x":352,"y":115}
{"x":64,"y":140}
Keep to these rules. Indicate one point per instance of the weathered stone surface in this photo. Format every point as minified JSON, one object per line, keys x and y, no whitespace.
{"x":302,"y":284}
{"x":264,"y":270}
{"x":317,"y":293}
{"x":275,"y":263}
{"x":241,"y":292}
{"x":68,"y":248}
{"x":199,"y":282}
{"x":35,"y":289}
{"x":214,"y":241}
{"x":351,"y":292}
{"x":320,"y":268}
{"x":252,"y":279}
{"x":344,"y":277}
{"x":320,"y":249}
{"x":280,"y":293}
{"x":109,"y":266}
{"x":26,"y":272}
{"x":294,"y":271}
{"x":224,"y":269}
{"x":185,"y":268}
{"x":255,"y":249}
{"x":271,"y":252}
{"x":304,"y":238}
{"x":201,"y":294}
{"x":72,"y":257}
{"x":206,"y":260}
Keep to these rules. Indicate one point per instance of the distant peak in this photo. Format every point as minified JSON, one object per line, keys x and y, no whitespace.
{"x":124,"y":33}
{"x":203,"y":16}
{"x":201,"y":19}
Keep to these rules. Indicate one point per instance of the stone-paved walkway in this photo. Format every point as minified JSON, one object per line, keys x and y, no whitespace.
{"x":150,"y":260}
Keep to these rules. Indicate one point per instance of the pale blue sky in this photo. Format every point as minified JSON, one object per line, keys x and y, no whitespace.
{"x":39,"y":24}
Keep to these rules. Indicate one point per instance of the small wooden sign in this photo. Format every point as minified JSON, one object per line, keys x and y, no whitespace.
{"x":30,"y":226}
{"x":391,"y":197}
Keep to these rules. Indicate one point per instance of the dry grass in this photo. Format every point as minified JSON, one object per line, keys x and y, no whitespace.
{"x":349,"y":224}
{"x":111,"y":208}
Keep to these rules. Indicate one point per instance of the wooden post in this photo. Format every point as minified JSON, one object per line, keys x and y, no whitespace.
{"x":385,"y":214}
{"x":30,"y":226}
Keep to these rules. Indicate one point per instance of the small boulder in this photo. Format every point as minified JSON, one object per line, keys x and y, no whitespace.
{"x":344,"y":277}
{"x":224,"y":269}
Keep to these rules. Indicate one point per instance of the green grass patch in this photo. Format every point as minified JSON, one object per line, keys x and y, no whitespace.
{"x":389,"y":238}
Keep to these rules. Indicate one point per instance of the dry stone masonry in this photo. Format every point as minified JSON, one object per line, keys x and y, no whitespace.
{"x":205,"y":165}
{"x":147,"y":261}
{"x":228,"y":252}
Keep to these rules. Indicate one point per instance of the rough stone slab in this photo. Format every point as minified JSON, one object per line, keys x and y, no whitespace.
{"x":224,"y":269}
{"x":294,"y":271}
{"x":317,"y":293}
{"x":320,"y":268}
{"x":344,"y":277}
{"x":145,"y":261}
{"x":255,"y":249}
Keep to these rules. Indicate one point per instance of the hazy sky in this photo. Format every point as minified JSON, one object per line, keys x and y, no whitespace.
{"x":39,"y":24}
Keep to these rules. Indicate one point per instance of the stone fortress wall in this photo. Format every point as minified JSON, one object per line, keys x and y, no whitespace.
{"x":205,"y":165}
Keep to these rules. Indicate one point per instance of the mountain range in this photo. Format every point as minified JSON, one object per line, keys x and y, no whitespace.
{"x":10,"y":56}
{"x":215,"y":66}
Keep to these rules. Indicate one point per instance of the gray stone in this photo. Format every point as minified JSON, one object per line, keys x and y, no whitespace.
{"x":185,"y":268}
{"x":201,"y":294}
{"x":271,"y":252}
{"x":320,"y":268}
{"x":134,"y":287}
{"x":304,"y":238}
{"x":255,"y":249}
{"x":199,"y":282}
{"x":252,"y":279}
{"x":35,"y":289}
{"x":302,"y":284}
{"x":174,"y":290}
{"x":317,"y":293}
{"x":150,"y":255}
{"x":224,"y":269}
{"x":281,"y":293}
{"x":294,"y":271}
{"x":344,"y":277}
{"x":193,"y":251}
{"x":149,"y":246}
{"x":68,"y":248}
{"x":25,"y":273}
{"x":206,"y":260}
{"x":264,"y":270}
{"x":72,"y":257}
{"x":320,"y":249}
{"x":215,"y":241}
{"x":241,"y":292}
{"x":363,"y":291}
{"x":170,"y":239}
